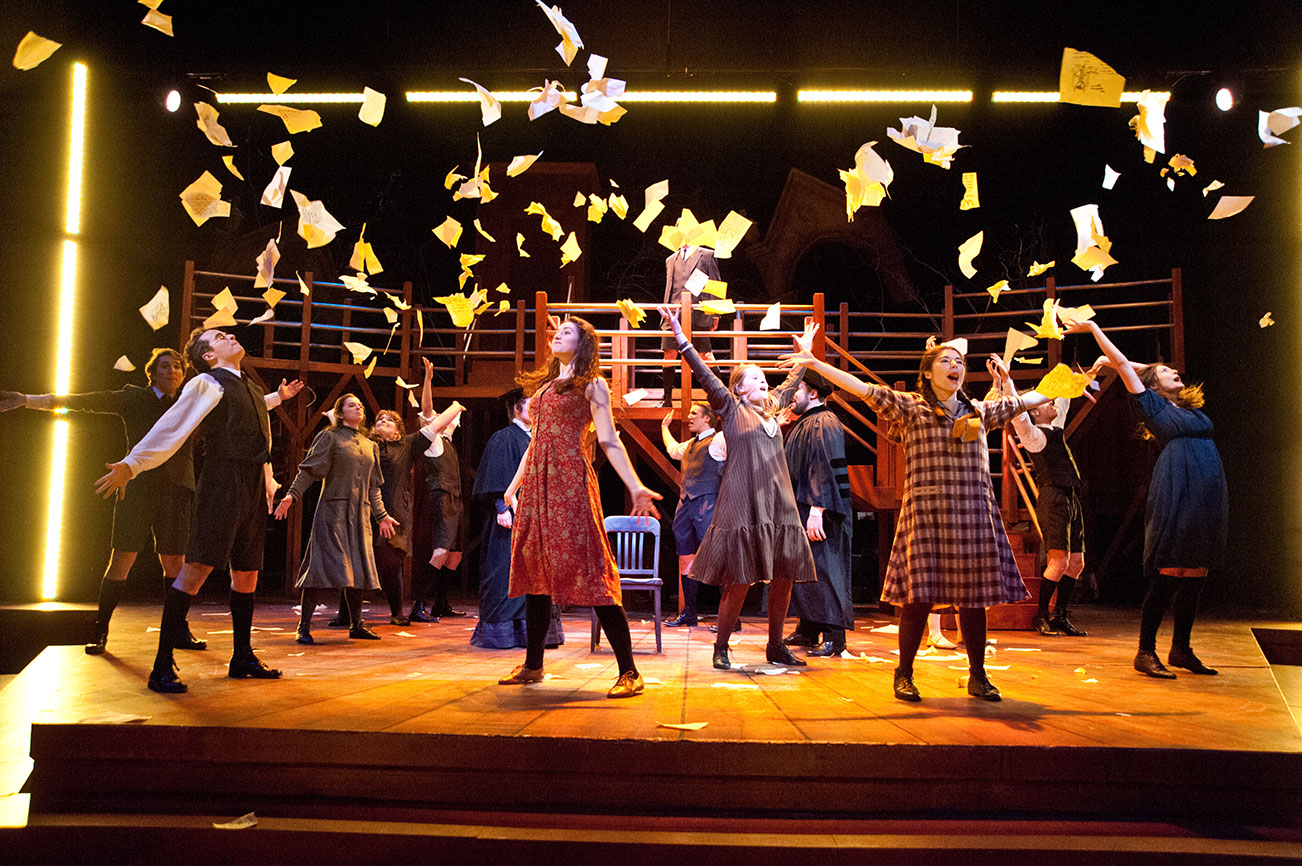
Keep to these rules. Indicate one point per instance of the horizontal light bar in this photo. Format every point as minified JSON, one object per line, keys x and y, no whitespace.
{"x":288,"y":98}
{"x":627,"y":96}
{"x":1052,"y":95}
{"x":884,"y":96}
{"x":473,"y":96}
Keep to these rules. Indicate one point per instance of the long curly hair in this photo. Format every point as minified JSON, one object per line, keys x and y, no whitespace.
{"x":1190,"y":396}
{"x":770,"y":406}
{"x":924,"y":384}
{"x":587,"y":365}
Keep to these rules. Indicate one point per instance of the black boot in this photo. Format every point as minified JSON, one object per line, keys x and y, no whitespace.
{"x":1147,"y":662}
{"x":780,"y":655}
{"x":1183,"y":657}
{"x":110,"y":591}
{"x":163,"y":678}
{"x":688,"y":615}
{"x":905,"y":690}
{"x":187,"y":640}
{"x":1060,"y":620}
{"x":341,"y":619}
{"x":721,"y":660}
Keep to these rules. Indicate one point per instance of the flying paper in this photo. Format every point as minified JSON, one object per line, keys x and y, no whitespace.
{"x":632,"y":312}
{"x":1016,"y":342}
{"x":33,"y":50}
{"x":1048,"y":328}
{"x":549,"y":225}
{"x":460,"y":308}
{"x":597,"y":208}
{"x":967,"y":251}
{"x":124,"y":364}
{"x":364,"y":258}
{"x":295,"y":119}
{"x":570,"y":250}
{"x":487,"y":236}
{"x":372,"y":110}
{"x":1214,"y":185}
{"x":202,"y":199}
{"x":370,"y":368}
{"x":1272,"y":124}
{"x":209,"y":126}
{"x":519,"y":245}
{"x":654,"y":194}
{"x":279,"y":83}
{"x":937,"y":144}
{"x":718,"y":288}
{"x":315,"y":224}
{"x":449,"y":232}
{"x":635,"y":396}
{"x":490,"y":109}
{"x":1088,"y":223}
{"x":229,"y":161}
{"x":267,"y":265}
{"x":302,"y":286}
{"x":579,"y":200}
{"x":866,"y":183}
{"x":273,"y":296}
{"x":223,"y":318}
{"x":1266,"y":321}
{"x":570,"y":41}
{"x":549,"y":97}
{"x":520,"y":164}
{"x":671,"y":238}
{"x":157,"y":311}
{"x":729,"y":234}
{"x":718,"y":307}
{"x":1086,"y":80}
{"x":282,"y":152}
{"x":997,"y":289}
{"x":1229,"y":205}
{"x":1150,"y":124}
{"x":1110,"y":176}
{"x":223,"y":299}
{"x":158,"y":21}
{"x":696,"y":282}
{"x":359,"y":351}
{"x":772,"y":320}
{"x":1062,"y":382}
{"x":1037,"y":268}
{"x":970,"y":198}
{"x":274,"y":194}
{"x":452,"y":177}
{"x":619,"y":205}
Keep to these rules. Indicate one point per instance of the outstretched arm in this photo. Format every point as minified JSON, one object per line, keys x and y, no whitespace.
{"x":675,"y":448}
{"x":1115,"y":356}
{"x":283,"y":392}
{"x":715,"y":390}
{"x":427,"y":391}
{"x":643,"y":497}
{"x":442,"y":420}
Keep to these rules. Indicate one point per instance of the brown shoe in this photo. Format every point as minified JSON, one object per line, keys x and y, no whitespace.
{"x":522,"y":675}
{"x":628,"y":684}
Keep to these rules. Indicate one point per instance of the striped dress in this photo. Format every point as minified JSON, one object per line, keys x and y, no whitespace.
{"x":950,"y":545}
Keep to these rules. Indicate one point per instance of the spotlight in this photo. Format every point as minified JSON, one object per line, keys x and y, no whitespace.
{"x":173,"y":100}
{"x":1224,"y":99}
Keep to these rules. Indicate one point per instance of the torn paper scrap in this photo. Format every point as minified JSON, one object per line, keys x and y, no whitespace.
{"x":570,"y":41}
{"x":1062,"y":382}
{"x":570,"y":250}
{"x":243,"y":822}
{"x":357,"y":284}
{"x":202,"y":199}
{"x":295,"y":119}
{"x":315,"y":224}
{"x":682,"y":726}
{"x":274,"y":194}
{"x":549,"y":223}
{"x":997,"y":289}
{"x":937,"y":144}
{"x":772,"y":320}
{"x":208,"y":125}
{"x":279,"y":83}
{"x":460,"y":308}
{"x":1086,"y":80}
{"x":158,"y":310}
{"x":490,"y":109}
{"x":1150,"y":124}
{"x":635,"y":396}
{"x":1015,"y":342}
{"x":696,"y":282}
{"x":519,"y":246}
{"x":364,"y":258}
{"x":728,"y":235}
{"x":223,"y":318}
{"x":971,"y":199}
{"x":654,"y":196}
{"x":1036,"y":268}
{"x":632,"y":312}
{"x":158,"y":21}
{"x":619,"y":205}
{"x":967,"y":251}
{"x":123,"y":364}
{"x":547,"y":98}
{"x":1266,"y":321}
{"x":718,"y":307}
{"x":229,"y":161}
{"x":1214,"y":185}
{"x":520,"y":164}
{"x":1229,"y":205}
{"x":479,"y":228}
{"x":597,"y":208}
{"x":267,"y":265}
{"x":1110,"y":176}
{"x":1272,"y":124}
{"x":34,"y":50}
{"x":372,"y":110}
{"x":359,"y":351}
{"x":1047,"y":328}
{"x":449,"y":231}
{"x":1088,"y":223}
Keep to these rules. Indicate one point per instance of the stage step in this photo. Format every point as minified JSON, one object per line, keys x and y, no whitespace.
{"x":26,"y":629}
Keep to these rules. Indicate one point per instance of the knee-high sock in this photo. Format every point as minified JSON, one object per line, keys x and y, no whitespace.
{"x":176,"y":606}
{"x":388,"y":562}
{"x":242,"y":622}
{"x":354,"y":597}
{"x":1066,"y":587}
{"x":441,"y":581}
{"x":615,"y":623}
{"x":537,"y":617}
{"x":691,"y":587}
{"x":729,"y":610}
{"x":972,"y":621}
{"x":1154,"y":608}
{"x":1046,"y":592}
{"x":110,"y":592}
{"x":307,"y":604}
{"x":342,"y":616}
{"x":667,"y":377}
{"x":913,"y":625}
{"x":1185,"y":609}
{"x":420,"y":578}
{"x":779,"y":601}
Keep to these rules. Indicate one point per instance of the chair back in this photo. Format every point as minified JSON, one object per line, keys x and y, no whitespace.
{"x":636,"y":547}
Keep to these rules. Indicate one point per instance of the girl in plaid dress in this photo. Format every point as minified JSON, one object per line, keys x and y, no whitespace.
{"x":950,"y":545}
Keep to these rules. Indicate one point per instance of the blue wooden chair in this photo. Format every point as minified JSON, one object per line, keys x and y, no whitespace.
{"x":637,"y":555}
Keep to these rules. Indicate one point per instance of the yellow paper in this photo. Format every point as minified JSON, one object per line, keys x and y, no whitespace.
{"x":274,"y":194}
{"x":209,"y":126}
{"x":273,"y":296}
{"x":718,"y":307}
{"x":1016,"y":342}
{"x":729,"y":234}
{"x":997,"y":288}
{"x":1075,"y":314}
{"x":302,"y":286}
{"x":1229,"y":205}
{"x":653,"y":205}
{"x":223,"y":299}
{"x":453,"y":177}
{"x":570,"y":41}
{"x":223,"y":318}
{"x":158,"y":310}
{"x":937,"y":144}
{"x":970,"y":198}
{"x":1037,"y":268}
{"x":124,"y":364}
{"x":359,"y":351}
{"x":1092,"y":257}
{"x":570,"y":250}
{"x":202,"y":199}
{"x":469,"y":260}
{"x":449,"y":232}
{"x":683,"y":726}
{"x":1214,"y":185}
{"x":519,"y":245}
{"x":1062,"y":382}
{"x":1266,"y":321}
{"x":1048,"y":328}
{"x":282,"y":152}
{"x":1150,"y":123}
{"x":158,"y":21}
{"x":364,"y":258}
{"x":1086,"y":80}
{"x":229,"y":161}
{"x":420,"y":328}
{"x":397,"y":302}
{"x":279,"y":83}
{"x":267,"y":265}
{"x":632,"y":312}
{"x":718,"y":288}
{"x":487,"y":236}
{"x":772,"y":320}
{"x":33,"y":50}
{"x":370,"y":368}
{"x":460,"y":308}
{"x":967,"y":428}
{"x":619,"y":205}
{"x":967,"y":251}
{"x":490,"y":110}
{"x":549,"y":224}
{"x":315,"y":224}
{"x":671,"y":238}
{"x":520,"y":164}
{"x":579,"y":200}
{"x":502,"y":306}
{"x":372,"y":110}
{"x":704,"y":235}
{"x":597,"y":208}
{"x":295,"y":119}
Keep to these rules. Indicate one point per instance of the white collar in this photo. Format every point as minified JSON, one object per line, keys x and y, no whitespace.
{"x":708,"y":431}
{"x":157,"y":393}
{"x":523,"y":426}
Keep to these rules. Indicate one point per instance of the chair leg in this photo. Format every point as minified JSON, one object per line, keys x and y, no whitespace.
{"x":656,"y":595}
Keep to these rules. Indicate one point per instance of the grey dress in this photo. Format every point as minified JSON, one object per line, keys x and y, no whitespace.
{"x":339,"y":554}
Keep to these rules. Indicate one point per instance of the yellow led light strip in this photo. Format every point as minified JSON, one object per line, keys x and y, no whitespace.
{"x":63,"y":337}
{"x":1052,"y":95}
{"x":288,"y":98}
{"x":473,"y":96}
{"x":627,"y":96}
{"x":883,"y":96}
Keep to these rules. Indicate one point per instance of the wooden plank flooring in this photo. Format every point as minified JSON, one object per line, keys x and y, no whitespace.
{"x":1067,"y":692}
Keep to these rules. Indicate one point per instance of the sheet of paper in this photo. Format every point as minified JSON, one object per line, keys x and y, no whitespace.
{"x":279,"y":83}
{"x":1037,"y":268}
{"x":158,"y":21}
{"x":1086,"y":80}
{"x":703,"y":235}
{"x":267,"y":265}
{"x":452,"y":177}
{"x":997,"y":289}
{"x":359,"y":351}
{"x":460,"y":308}
{"x":302,"y":286}
{"x":1110,"y":176}
{"x":671,"y":238}
{"x":549,"y":223}
{"x":696,"y":282}
{"x":772,"y":320}
{"x":570,"y":41}
{"x":519,"y":246}
{"x":971,"y":199}
{"x":967,"y":251}
{"x":34,"y":50}
{"x":372,"y":110}
{"x":274,"y":194}
{"x":1229,"y":205}
{"x":654,"y":195}
{"x":520,"y":164}
{"x":1150,"y":123}
{"x":717,"y":288}
{"x":223,"y":299}
{"x":295,"y":119}
{"x":1047,"y":328}
{"x":1082,"y":313}
{"x":315,"y":224}
{"x":718,"y":306}
{"x":937,"y":144}
{"x":619,"y":205}
{"x":1272,"y":124}
{"x":1015,"y":342}
{"x":570,"y":250}
{"x":682,"y":726}
{"x":1266,"y":321}
{"x":632,"y":312}
{"x":158,"y":310}
{"x":223,"y":318}
{"x":1062,"y":382}
{"x":208,"y":125}
{"x":729,"y":234}
{"x":1092,"y":257}
{"x":479,"y":228}
{"x":263,"y":317}
{"x":364,"y":258}
{"x":865,"y":184}
{"x":1088,"y":223}
{"x":597,"y":208}
{"x":1214,"y":185}
{"x":449,"y":231}
{"x":123,"y":364}
{"x":596,"y":66}
{"x":243,"y":822}
{"x":546,"y":98}
{"x":202,"y":199}
{"x":490,"y":109}
{"x":273,"y":296}
{"x":229,"y":161}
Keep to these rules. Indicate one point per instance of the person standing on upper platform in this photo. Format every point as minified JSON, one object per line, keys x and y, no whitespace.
{"x":679,"y":267}
{"x":702,"y":459}
{"x":228,"y":525}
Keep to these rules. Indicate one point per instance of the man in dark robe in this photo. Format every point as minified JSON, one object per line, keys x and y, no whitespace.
{"x":501,"y":618}
{"x":815,"y":449}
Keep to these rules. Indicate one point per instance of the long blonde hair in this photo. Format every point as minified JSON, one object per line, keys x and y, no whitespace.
{"x":770,"y":406}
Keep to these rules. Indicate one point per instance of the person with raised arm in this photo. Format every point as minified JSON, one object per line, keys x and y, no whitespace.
{"x":1188,"y":504}
{"x":950,"y":545}
{"x":756,"y":534}
{"x":559,"y":548}
{"x":702,"y":458}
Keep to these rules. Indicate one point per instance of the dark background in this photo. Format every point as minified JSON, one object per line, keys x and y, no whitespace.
{"x":1034,"y":163}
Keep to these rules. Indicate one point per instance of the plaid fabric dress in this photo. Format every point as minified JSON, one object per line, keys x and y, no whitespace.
{"x":950,"y":545}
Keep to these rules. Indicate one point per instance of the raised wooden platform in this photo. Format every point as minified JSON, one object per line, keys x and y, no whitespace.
{"x":416,"y":730}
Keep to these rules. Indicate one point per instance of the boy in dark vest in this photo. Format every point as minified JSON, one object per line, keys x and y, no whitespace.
{"x":702,"y":458}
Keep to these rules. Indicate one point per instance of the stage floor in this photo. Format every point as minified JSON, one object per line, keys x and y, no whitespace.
{"x":426,"y":678}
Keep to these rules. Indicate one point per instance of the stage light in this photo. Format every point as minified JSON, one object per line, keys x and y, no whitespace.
{"x":884,"y":96}
{"x":1224,"y":99}
{"x":699,"y":96}
{"x":63,"y":333}
{"x":473,"y":96}
{"x":1052,"y":95}
{"x":290,"y":98}
{"x":173,"y":100}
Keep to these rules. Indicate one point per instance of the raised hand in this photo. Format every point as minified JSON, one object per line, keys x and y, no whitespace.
{"x":665,"y":421}
{"x":286,"y":390}
{"x":670,"y":314}
{"x":429,"y":368}
{"x":114,"y":482}
{"x":998,"y":369}
{"x":802,"y":354}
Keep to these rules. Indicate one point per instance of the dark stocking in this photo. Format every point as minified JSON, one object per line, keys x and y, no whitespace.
{"x":307,"y":604}
{"x":972,"y":622}
{"x":176,"y":606}
{"x":691,"y":587}
{"x":779,"y":601}
{"x":353,"y":595}
{"x":913,"y":625}
{"x":615,"y":623}
{"x":242,"y":622}
{"x":1046,"y":592}
{"x":667,"y":375}
{"x":1154,"y":608}
{"x":110,"y":591}
{"x":388,"y":562}
{"x":537,"y":618}
{"x":729,"y":610}
{"x":343,"y":607}
{"x":1185,"y":609}
{"x":1066,"y":587}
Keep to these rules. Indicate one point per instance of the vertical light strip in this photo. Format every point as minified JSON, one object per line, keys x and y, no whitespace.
{"x":63,"y":334}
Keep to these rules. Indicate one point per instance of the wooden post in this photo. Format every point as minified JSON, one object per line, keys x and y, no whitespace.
{"x":820,"y":319}
{"x":685,"y":313}
{"x":843,"y":335}
{"x":1177,"y":320}
{"x":187,"y":303}
{"x":539,"y":327}
{"x":1007,"y":495}
{"x":1055,"y":346}
{"x":519,"y":336}
{"x":619,"y":373}
{"x":947,"y":323}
